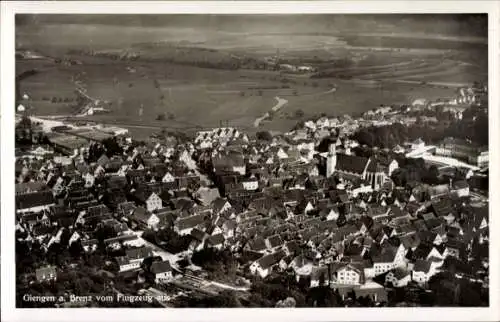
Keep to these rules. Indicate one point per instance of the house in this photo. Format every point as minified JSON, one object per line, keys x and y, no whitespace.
{"x":215,"y":241}
{"x":220,"y":205}
{"x":125,"y":264}
{"x":438,"y":191}
{"x":399,"y":277}
{"x":34,"y":202}
{"x":90,"y":246}
{"x":319,"y":277}
{"x":417,"y":144}
{"x":350,"y":274}
{"x":373,"y":290}
{"x":388,"y":258}
{"x":257,"y":245}
{"x":273,"y":242}
{"x":291,"y":248}
{"x":430,"y":237}
{"x":143,"y":218}
{"x":116,"y":243}
{"x":30,"y":187}
{"x":250,"y":184}
{"x":162,"y":271}
{"x":460,"y":188}
{"x":264,"y":265}
{"x":455,"y":248}
{"x":138,"y":254}
{"x":125,"y":208}
{"x":168,"y":178}
{"x":207,"y":195}
{"x":46,"y":274}
{"x":154,"y":202}
{"x":183,"y":226}
{"x":302,"y":265}
{"x":229,"y":228}
{"x":422,"y":271}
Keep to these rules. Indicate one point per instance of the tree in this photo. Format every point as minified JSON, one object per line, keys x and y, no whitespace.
{"x":264,"y":136}
{"x":288,"y":302}
{"x":432,"y":174}
{"x":112,"y":147}
{"x":299,"y":113}
{"x":76,"y":249}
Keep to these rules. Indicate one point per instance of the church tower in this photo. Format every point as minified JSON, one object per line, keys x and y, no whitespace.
{"x":331,"y":160}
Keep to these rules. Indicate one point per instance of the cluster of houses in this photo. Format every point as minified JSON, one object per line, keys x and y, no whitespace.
{"x":334,"y":217}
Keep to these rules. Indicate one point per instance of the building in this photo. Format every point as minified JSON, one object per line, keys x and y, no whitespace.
{"x":350,"y":274}
{"x":154,"y":202}
{"x":460,"y":188}
{"x":422,"y":271}
{"x":464,"y":150}
{"x":162,"y":271}
{"x":417,"y":144}
{"x":398,"y":277}
{"x":263,"y":266}
{"x":34,"y":201}
{"x":379,"y":171}
{"x":346,"y":165}
{"x":46,"y":274}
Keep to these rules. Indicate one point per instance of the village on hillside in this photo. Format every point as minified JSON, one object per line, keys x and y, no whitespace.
{"x":386,"y":209}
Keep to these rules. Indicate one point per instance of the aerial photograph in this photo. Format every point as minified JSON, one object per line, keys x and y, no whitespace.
{"x":251,"y":161}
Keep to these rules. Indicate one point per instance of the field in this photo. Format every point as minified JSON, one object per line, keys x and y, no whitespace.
{"x":167,"y":87}
{"x":200,"y":97}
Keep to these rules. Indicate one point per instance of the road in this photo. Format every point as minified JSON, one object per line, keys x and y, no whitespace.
{"x":229,"y":287}
{"x":158,"y":251}
{"x":281,"y":102}
{"x":478,"y":196}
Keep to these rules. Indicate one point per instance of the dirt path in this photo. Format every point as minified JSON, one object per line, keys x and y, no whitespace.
{"x":275,"y":108}
{"x":333,"y":90}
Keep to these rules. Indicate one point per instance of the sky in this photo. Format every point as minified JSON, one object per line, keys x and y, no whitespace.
{"x":445,"y":24}
{"x":55,"y":32}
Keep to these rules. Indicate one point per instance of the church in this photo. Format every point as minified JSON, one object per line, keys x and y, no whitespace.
{"x":375,"y":171}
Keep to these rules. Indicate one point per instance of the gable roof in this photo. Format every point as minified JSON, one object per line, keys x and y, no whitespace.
{"x":215,"y":240}
{"x":422,"y":266}
{"x":139,"y":253}
{"x":30,"y":187}
{"x":140,"y":214}
{"x":351,"y":163}
{"x":34,"y":199}
{"x":257,"y":244}
{"x":275,"y":241}
{"x":189,"y":222}
{"x":161,"y":267}
{"x":271,"y":259}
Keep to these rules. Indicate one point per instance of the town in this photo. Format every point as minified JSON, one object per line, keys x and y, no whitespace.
{"x":388,"y":208}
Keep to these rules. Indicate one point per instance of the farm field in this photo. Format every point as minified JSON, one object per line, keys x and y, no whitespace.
{"x":167,"y":87}
{"x":200,"y":97}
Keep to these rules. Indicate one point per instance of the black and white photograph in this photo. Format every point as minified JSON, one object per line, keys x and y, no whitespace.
{"x":250,"y":160}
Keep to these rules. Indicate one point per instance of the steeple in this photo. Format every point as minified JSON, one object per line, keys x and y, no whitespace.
{"x":331,"y":160}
